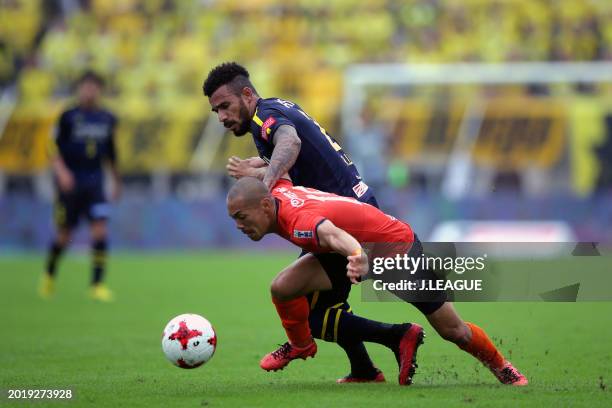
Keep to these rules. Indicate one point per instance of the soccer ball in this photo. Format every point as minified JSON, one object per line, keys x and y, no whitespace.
{"x":189,"y":341}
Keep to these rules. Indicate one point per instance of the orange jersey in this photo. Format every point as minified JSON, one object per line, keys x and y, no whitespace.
{"x":301,"y":210}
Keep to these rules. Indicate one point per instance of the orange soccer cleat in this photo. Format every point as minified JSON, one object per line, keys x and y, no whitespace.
{"x":277,"y":360}
{"x":509,"y":375}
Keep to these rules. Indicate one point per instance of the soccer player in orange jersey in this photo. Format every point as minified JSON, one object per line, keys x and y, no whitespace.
{"x":322,"y":222}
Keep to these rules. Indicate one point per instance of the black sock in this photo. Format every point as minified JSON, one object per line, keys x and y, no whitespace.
{"x":53,"y":255}
{"x":338,"y":324}
{"x":99,"y":260}
{"x":361,"y":365}
{"x":350,"y":328}
{"x":356,"y":328}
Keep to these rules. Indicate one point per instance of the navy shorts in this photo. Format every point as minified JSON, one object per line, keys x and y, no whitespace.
{"x":86,"y":202}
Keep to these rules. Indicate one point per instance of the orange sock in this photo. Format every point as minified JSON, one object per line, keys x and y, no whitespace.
{"x":483,"y":348}
{"x":294,"y":317}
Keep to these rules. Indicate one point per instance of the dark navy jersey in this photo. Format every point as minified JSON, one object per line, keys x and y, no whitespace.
{"x":84,"y":139}
{"x":321,"y":163}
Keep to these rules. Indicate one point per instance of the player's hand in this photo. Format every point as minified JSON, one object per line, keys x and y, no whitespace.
{"x":256,"y":162}
{"x":116,"y":190}
{"x":357,"y":266}
{"x":238,"y":168}
{"x":65,"y":179}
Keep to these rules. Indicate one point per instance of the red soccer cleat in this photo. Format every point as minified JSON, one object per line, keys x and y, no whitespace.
{"x":510,"y":375}
{"x":379,"y":377}
{"x":277,"y":360}
{"x":410,"y":342}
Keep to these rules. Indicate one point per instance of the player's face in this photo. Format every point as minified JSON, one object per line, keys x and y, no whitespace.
{"x":89,"y":93}
{"x":231,"y":109}
{"x":252,"y":220}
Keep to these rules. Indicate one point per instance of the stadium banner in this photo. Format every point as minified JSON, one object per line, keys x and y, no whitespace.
{"x":25,"y":142}
{"x":513,"y":133}
{"x":519,"y":132}
{"x":147,"y":140}
{"x":486,"y":272}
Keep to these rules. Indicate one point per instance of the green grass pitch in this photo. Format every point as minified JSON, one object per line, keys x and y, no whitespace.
{"x":110,"y":354}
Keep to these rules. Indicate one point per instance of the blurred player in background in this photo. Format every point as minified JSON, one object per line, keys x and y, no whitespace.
{"x":288,"y":140}
{"x":84,"y":145}
{"x":327,"y":222}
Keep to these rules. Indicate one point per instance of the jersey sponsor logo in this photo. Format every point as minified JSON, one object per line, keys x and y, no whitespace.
{"x":360,"y":189}
{"x":89,"y":130}
{"x":294,"y":200}
{"x":265,"y":128}
{"x":301,"y":234}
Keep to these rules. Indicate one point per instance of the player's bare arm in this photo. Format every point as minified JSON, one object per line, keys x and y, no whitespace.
{"x":116,"y":186}
{"x":340,"y":241}
{"x":251,"y":167}
{"x":286,"y":149}
{"x":65,"y":179}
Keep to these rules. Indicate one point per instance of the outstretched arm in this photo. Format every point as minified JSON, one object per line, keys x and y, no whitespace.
{"x":340,"y":241}
{"x":286,"y":150}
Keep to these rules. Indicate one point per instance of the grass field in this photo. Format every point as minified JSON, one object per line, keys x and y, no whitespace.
{"x":110,"y":355}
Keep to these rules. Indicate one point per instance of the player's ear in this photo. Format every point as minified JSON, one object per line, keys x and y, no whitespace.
{"x":267,"y":203}
{"x":247,"y":92}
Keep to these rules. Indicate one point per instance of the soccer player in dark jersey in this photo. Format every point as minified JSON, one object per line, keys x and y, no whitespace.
{"x":321,"y":222}
{"x":288,"y":140}
{"x":84,"y":144}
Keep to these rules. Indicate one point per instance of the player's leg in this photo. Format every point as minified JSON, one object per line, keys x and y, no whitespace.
{"x":306,"y":275}
{"x":402,"y":339}
{"x":331,"y":319}
{"x":325,"y":325}
{"x":99,"y":251}
{"x":472,"y":339}
{"x":362,"y":368}
{"x":97,"y":212}
{"x":338,"y":324}
{"x":56,"y":249}
{"x":289,"y":289}
{"x":66,"y":218}
{"x":447,"y":322}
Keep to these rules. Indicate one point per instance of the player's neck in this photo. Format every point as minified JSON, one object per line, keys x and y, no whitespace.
{"x":253,"y":107}
{"x":274,"y":222}
{"x":89,"y":106}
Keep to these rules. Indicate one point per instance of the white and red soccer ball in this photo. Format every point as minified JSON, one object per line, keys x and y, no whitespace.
{"x":189,"y":341}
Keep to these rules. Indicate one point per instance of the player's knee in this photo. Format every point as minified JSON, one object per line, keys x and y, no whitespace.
{"x":63,"y":237}
{"x":98,"y":231}
{"x":279,"y":289}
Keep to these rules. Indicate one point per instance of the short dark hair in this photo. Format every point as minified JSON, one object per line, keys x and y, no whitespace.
{"x":227,"y":73}
{"x":93,"y":76}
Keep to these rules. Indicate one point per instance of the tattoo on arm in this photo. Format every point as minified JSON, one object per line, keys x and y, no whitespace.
{"x":286,"y":150}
